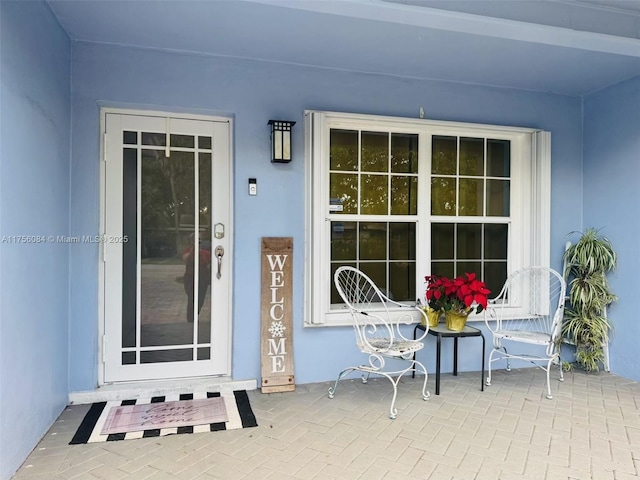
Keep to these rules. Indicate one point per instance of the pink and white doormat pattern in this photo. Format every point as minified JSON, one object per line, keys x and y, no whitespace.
{"x":159,"y":416}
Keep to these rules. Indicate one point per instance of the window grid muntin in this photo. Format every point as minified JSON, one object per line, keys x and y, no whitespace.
{"x":457,"y":177}
{"x":455,"y":265}
{"x":456,"y":260}
{"x":456,"y":220}
{"x":389,"y":174}
{"x":530,"y":198}
{"x":360,"y":259}
{"x":387,"y":217}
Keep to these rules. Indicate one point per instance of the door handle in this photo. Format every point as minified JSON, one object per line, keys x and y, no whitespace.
{"x":219,"y":252}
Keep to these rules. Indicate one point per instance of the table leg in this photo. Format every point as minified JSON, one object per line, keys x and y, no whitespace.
{"x":455,"y":356}
{"x":438,"y":345}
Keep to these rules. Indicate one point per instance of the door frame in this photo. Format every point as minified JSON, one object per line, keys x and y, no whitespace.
{"x":229,"y":230}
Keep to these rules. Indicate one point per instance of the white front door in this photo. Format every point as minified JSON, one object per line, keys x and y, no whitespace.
{"x":166,"y":247}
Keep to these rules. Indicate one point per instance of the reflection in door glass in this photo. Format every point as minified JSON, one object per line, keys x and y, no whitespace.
{"x":207,"y":261}
{"x":129,"y":249}
{"x":167,"y":225}
{"x":173,"y":279}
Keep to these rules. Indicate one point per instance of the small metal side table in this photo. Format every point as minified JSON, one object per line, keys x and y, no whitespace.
{"x":442,"y":331}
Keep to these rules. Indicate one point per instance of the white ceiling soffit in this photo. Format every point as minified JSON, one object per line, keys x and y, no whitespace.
{"x":417,"y":13}
{"x":627,"y":6}
{"x":611,"y":17}
{"x":373,"y":36}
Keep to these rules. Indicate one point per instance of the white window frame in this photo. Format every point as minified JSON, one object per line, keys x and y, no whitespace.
{"x":529,"y":239}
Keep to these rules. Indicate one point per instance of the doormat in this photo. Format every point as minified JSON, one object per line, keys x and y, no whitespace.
{"x":234,"y":411}
{"x":152,"y":416}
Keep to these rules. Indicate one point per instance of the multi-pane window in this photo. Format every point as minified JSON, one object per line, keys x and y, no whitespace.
{"x":401,"y":199}
{"x":470,"y":207}
{"x":373,"y":198}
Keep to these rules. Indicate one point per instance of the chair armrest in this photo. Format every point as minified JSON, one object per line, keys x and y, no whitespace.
{"x":384,"y":318}
{"x":492,"y":315}
{"x":370,"y":326}
{"x":410,"y":320}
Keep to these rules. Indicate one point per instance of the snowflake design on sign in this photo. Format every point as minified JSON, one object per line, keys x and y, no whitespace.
{"x":277,"y":329}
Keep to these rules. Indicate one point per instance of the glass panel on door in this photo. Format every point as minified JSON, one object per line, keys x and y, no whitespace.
{"x":174,"y":226}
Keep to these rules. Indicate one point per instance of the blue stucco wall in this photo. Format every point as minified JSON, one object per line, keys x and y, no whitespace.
{"x":49,"y":291}
{"x":253,"y":92}
{"x":35,"y":104}
{"x":611,"y":203}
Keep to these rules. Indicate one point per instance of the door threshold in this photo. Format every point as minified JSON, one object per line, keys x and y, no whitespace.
{"x":156,"y":388}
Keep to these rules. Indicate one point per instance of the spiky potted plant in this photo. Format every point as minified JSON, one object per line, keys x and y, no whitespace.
{"x":586,"y":325}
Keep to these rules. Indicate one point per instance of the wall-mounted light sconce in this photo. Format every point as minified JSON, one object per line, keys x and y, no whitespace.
{"x":280,"y":140}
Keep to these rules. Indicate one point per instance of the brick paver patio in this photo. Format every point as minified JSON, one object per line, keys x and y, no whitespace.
{"x":589,"y":430}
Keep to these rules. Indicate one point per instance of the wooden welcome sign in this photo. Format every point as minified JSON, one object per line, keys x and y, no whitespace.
{"x":276,"y":315}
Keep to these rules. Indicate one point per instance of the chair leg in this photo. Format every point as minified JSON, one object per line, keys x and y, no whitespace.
{"x":425,"y":394}
{"x":332,"y":390}
{"x":507,"y":357}
{"x":550,"y":362}
{"x":561,"y":370}
{"x":393,"y":411}
{"x":488,"y":382}
{"x":548,"y":371}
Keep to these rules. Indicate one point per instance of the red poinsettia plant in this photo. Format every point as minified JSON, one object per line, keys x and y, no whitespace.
{"x":463,"y":294}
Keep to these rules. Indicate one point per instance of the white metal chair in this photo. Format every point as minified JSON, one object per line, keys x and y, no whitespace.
{"x":528,"y":310}
{"x":377,"y":335}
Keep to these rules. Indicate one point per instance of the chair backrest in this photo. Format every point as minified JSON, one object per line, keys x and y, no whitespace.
{"x":369,"y":308}
{"x":532,"y":299}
